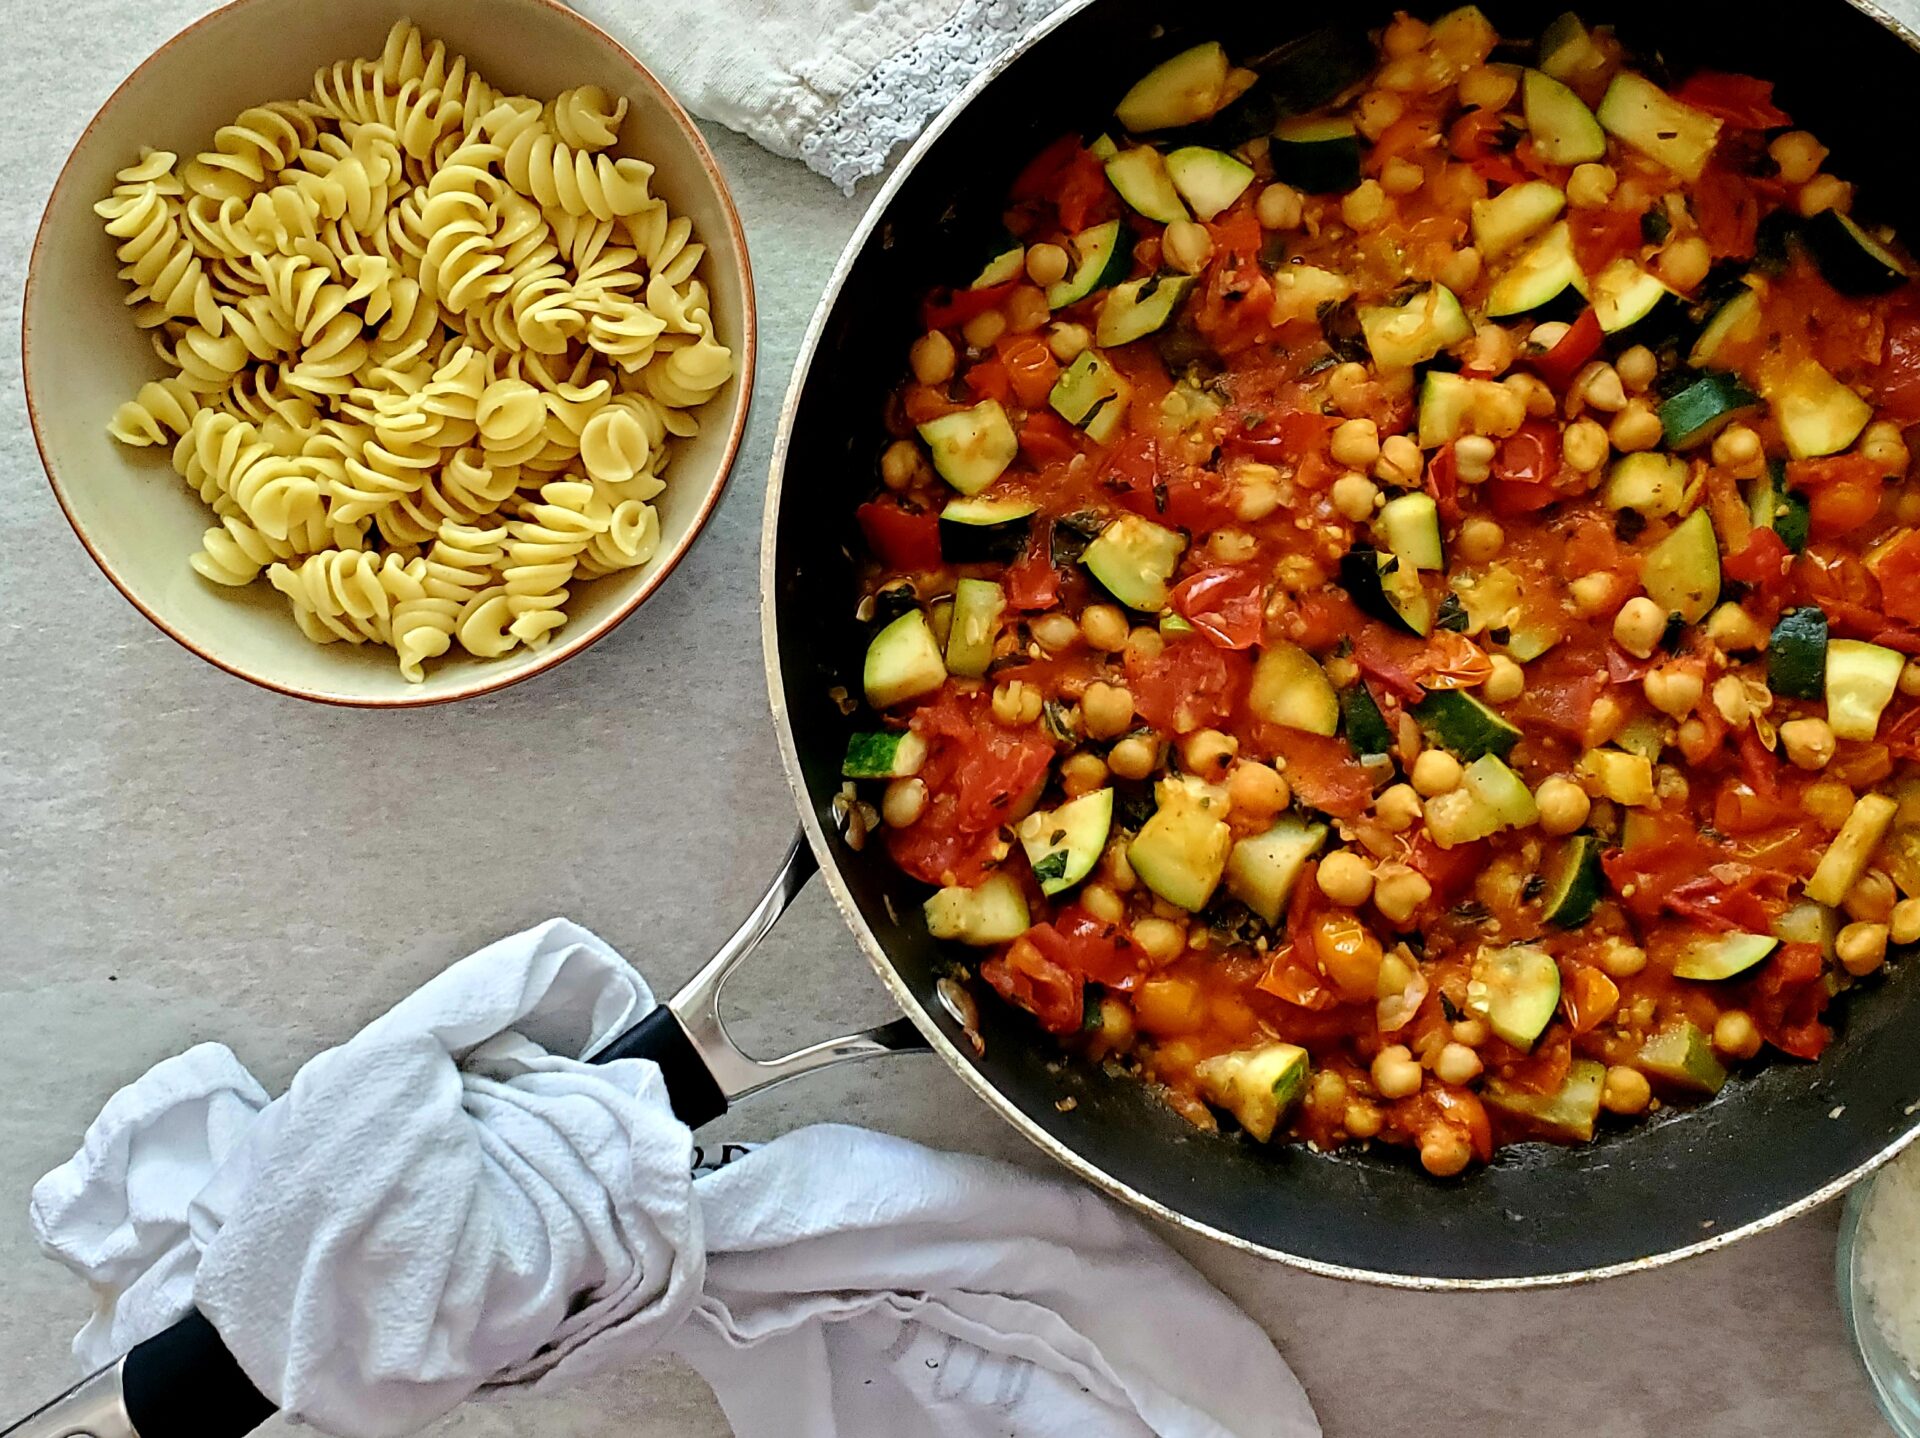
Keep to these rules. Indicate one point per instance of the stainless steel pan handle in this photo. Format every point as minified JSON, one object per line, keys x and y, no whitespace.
{"x":184,"y":1384}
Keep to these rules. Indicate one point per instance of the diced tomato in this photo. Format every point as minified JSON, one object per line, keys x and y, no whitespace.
{"x":1026,"y":977}
{"x":1451,"y":872}
{"x":1227,"y":606}
{"x":1443,"y":483}
{"x":1762,"y":560}
{"x":1508,"y":499}
{"x":1740,"y":807}
{"x":1031,"y":368}
{"x":1289,"y":436}
{"x":1896,"y":382}
{"x":1196,"y":500}
{"x":1389,"y":658}
{"x":987,"y":378}
{"x":1561,"y":699}
{"x":1727,"y":211}
{"x":1842,"y":507}
{"x":1811,"y":474}
{"x":1041,"y":177}
{"x":1046,"y":439}
{"x":1731,"y":896}
{"x":1458,"y":1109}
{"x":1297,"y":981}
{"x":1744,"y":102}
{"x":1088,"y":947}
{"x":976,"y":773}
{"x":1189,"y":685}
{"x":1320,"y":620}
{"x":899,"y":537}
{"x":946,"y":308}
{"x":1031,"y":580}
{"x":1574,"y":349}
{"x":1530,"y":455}
{"x":1543,"y":1068}
{"x":1477,"y":137}
{"x":1084,"y":197}
{"x":1603,"y":236}
{"x":1234,"y":310}
{"x":1787,"y":998}
{"x":1323,"y":773}
{"x":1588,"y":999}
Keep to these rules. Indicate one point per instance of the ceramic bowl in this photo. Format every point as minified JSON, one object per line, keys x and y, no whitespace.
{"x":1896,"y":1388}
{"x":83,"y":355}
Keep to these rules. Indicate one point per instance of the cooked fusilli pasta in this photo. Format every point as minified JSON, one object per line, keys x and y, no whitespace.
{"x":431,"y":345}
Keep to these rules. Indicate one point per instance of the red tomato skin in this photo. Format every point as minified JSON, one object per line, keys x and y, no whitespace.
{"x":1190,"y":685}
{"x":1842,"y":507}
{"x":946,"y":308}
{"x":1046,"y":439}
{"x":1227,"y":606}
{"x":900,"y":538}
{"x":1578,"y":345}
{"x":1896,"y":381}
{"x":1898,"y":570}
{"x":1743,"y":101}
{"x":976,"y":771}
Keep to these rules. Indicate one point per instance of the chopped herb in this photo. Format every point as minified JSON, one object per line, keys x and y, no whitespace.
{"x":1500,"y":634}
{"x":1655,"y":226}
{"x":1472,"y":911}
{"x":1674,"y":632}
{"x":1448,"y":1010}
{"x":1089,"y":1007}
{"x":1051,"y":868}
{"x":1160,"y":496}
{"x":1534,"y":887}
{"x":1057,"y":719}
{"x":1629,"y":524}
{"x":1055,"y":838}
{"x":1452,"y":615}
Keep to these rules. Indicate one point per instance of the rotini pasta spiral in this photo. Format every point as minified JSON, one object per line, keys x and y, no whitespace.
{"x":428,"y":347}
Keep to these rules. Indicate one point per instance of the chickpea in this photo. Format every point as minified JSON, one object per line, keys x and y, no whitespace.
{"x":1798,"y":155}
{"x":1592,"y":594}
{"x":1279,"y":207}
{"x":1376,"y":111}
{"x":1673,"y":689}
{"x":1208,"y":752}
{"x":1046,"y":264}
{"x":1365,"y":206}
{"x":1871,"y":898}
{"x":1590,"y":186}
{"x":1626,"y":1090}
{"x":1356,"y":444}
{"x":1068,"y":341}
{"x":1027,"y":310}
{"x":1884,"y":444}
{"x":1161,"y":940}
{"x":1398,"y":892}
{"x":1117,"y":868}
{"x":1348,"y":386}
{"x":1636,"y":428}
{"x":1256,"y":492}
{"x":1187,"y":246}
{"x":1457,"y":1064}
{"x":1584,"y":446}
{"x":1363,"y":1119}
{"x":1167,"y":1004}
{"x":1460,"y":271}
{"x":1395,"y":1074}
{"x":1400,"y":461}
{"x":1809,"y":743}
{"x":932,"y":358}
{"x":1563,"y":805}
{"x":1487,"y":87}
{"x":1637,"y":368}
{"x":1256,"y":789}
{"x":1397,"y":808}
{"x":1353,"y":494}
{"x":1545,"y":335}
{"x":1737,"y":447}
{"x":1016,"y":702}
{"x":1473,"y":458}
{"x":1621,"y":960}
{"x":1506,"y":683}
{"x":1082,"y":773}
{"x":1444,"y":1150}
{"x":1401,"y":177}
{"x":1733,"y":630}
{"x":1345,"y":878}
{"x":1105,"y":627}
{"x":1056,"y":631}
{"x":1824,"y":192}
{"x":1470,"y":1031}
{"x":1144,"y":645}
{"x":1133,"y":757}
{"x":1480,"y":539}
{"x":1861,"y":948}
{"x":1435,"y":772}
{"x":1904,"y":925}
{"x":1910,"y":678}
{"x":1405,"y":35}
{"x":1105,"y":905}
{"x":1638,"y":626}
{"x":1405,"y":74}
{"x":984,"y":328}
{"x":900,"y":464}
{"x":1827,"y":803}
{"x":1532,"y":393}
{"x":903,"y":802}
{"x":1604,"y":721}
{"x":1496,"y":411}
{"x":1597,"y":385}
{"x":1232,"y":546}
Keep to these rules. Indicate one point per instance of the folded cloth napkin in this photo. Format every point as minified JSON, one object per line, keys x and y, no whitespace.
{"x":451,"y":1203}
{"x":834,"y":83}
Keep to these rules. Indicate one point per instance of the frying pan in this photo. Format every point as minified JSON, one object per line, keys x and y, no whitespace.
{"x":1771,"y":1146}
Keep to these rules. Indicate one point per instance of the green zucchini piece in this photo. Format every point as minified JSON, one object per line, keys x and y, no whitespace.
{"x":1209,"y":180}
{"x":903,"y":662}
{"x":1563,"y":128}
{"x":1797,"y":654}
{"x":1568,"y":1114}
{"x":1003,"y":268}
{"x":1291,"y":689}
{"x":1409,"y":525}
{"x":1366,"y":727}
{"x":1705,"y":407}
{"x":1852,"y":849}
{"x":1809,"y":923}
{"x":1682,"y":1055}
{"x":1099,"y":259}
{"x":1623,"y":294}
{"x":1737,"y":319}
{"x":888,"y":754}
{"x":1183,"y":90}
{"x":977,"y":531}
{"x":977,"y":607}
{"x":1134,"y":558}
{"x":1319,"y":156}
{"x":1140,"y":175}
{"x":1444,"y":401}
{"x":1103,"y":148}
{"x":1861,"y":678}
{"x":1387,"y":589}
{"x":1648,"y":483}
{"x":1091,"y":395}
{"x":1517,"y":213}
{"x":1516,"y":990}
{"x":1064,"y":844}
{"x":1681,"y":573}
{"x":1778,"y":508}
{"x":1257,"y":1086}
{"x":1575,"y":882}
{"x":1617,"y":775}
{"x":1139,"y":307}
{"x":1401,"y":336}
{"x":1174,"y":625}
{"x":1544,"y":271}
{"x":1489,"y":798}
{"x":1263,"y":868}
{"x":992,"y":912}
{"x":971,"y":448}
{"x":1816,"y":413}
{"x":1644,"y":117}
{"x":1567,"y":51}
{"x":1462,"y":725}
{"x":1181,"y":852}
{"x":1850,"y":259}
{"x":1722,"y":956}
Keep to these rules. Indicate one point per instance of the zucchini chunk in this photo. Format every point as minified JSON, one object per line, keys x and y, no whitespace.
{"x":1002,"y":269}
{"x":1682,"y":1055}
{"x":1099,"y":260}
{"x":1090,"y":395}
{"x":1366,"y":727}
{"x":986,"y":531}
{"x":1850,"y":259}
{"x":1517,"y":213}
{"x":1516,"y":990}
{"x":1816,"y":413}
{"x":903,"y":662}
{"x":1462,"y":725}
{"x":1543,"y":273}
{"x":1568,"y":52}
{"x":1722,"y":956}
{"x":1318,"y":156}
{"x":1681,"y":573}
{"x":1617,"y":775}
{"x":971,"y":448}
{"x":1209,"y":180}
{"x":1736,"y":320}
{"x":1263,"y":868}
{"x":1409,"y":525}
{"x":977,"y":606}
{"x":1797,"y":654}
{"x":1064,"y":844}
{"x":1563,"y":128}
{"x":1623,"y":294}
{"x":1140,"y":175}
{"x":1778,"y":508}
{"x":1490,"y":797}
{"x":1809,"y":923}
{"x":1444,"y":401}
{"x":1257,"y":1086}
{"x":1181,"y":852}
{"x":1704,"y":408}
{"x":1575,"y":883}
{"x":1139,"y":307}
{"x":1183,"y":90}
{"x":1861,"y":678}
{"x":1291,"y":689}
{"x":993,"y":912}
{"x":1646,"y":118}
{"x":1568,"y":1113}
{"x":1852,"y":849}
{"x":1387,"y":589}
{"x":1401,"y":336}
{"x":1134,"y":558}
{"x":1648,"y":483}
{"x":888,"y":754}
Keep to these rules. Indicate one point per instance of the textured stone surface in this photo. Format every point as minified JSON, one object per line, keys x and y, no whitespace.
{"x":186,"y":857}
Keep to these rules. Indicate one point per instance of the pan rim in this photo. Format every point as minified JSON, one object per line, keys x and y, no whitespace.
{"x":875,"y":952}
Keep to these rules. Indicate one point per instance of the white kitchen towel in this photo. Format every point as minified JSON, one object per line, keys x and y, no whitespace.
{"x":451,"y":1203}
{"x":834,"y":83}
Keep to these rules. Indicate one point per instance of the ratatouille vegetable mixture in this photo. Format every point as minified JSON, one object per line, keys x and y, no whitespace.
{"x":1392,"y":597}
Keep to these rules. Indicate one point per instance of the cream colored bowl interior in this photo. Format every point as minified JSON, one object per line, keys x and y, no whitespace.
{"x":84,"y":356}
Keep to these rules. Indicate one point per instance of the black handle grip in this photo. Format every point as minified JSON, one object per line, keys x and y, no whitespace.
{"x":691,"y":1089}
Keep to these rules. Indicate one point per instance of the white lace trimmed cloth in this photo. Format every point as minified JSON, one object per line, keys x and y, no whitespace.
{"x":837,"y":84}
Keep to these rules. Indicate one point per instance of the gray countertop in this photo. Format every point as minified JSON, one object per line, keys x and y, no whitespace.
{"x":188,"y":858}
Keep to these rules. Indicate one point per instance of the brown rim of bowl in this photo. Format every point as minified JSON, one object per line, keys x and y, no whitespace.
{"x":663,"y":564}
